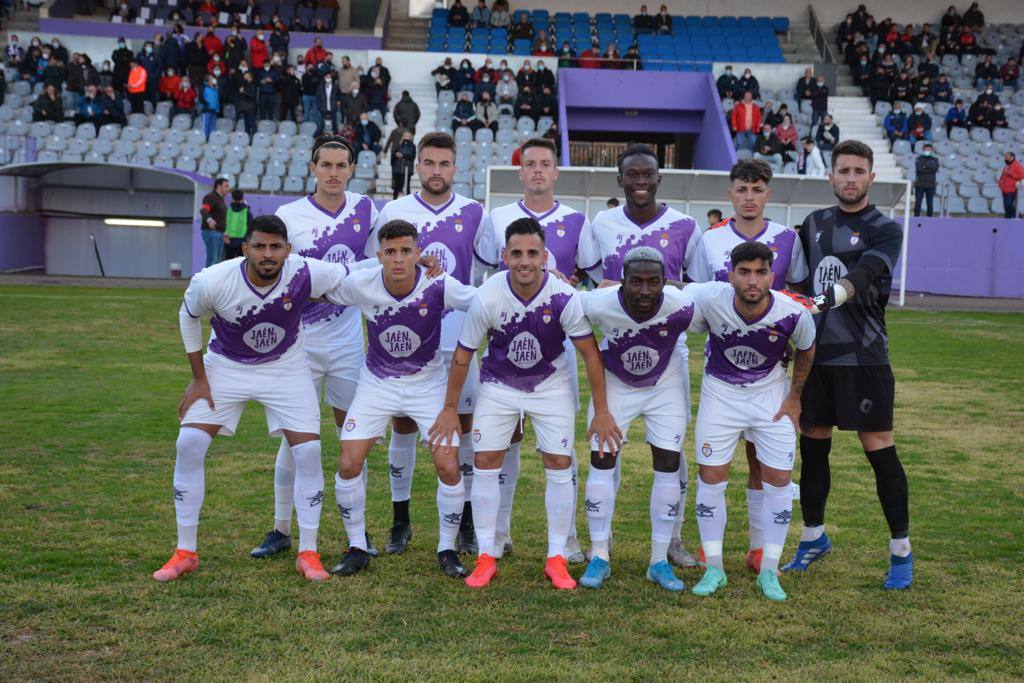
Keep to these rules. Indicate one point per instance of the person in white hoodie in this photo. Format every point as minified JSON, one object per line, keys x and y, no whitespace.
{"x":812,"y":161}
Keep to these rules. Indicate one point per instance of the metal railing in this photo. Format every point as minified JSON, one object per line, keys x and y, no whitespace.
{"x":821,"y":38}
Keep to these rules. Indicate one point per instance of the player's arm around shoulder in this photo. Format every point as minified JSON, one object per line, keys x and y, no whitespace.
{"x":457,"y":295}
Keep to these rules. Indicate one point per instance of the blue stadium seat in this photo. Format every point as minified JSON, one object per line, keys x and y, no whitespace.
{"x":780,"y":24}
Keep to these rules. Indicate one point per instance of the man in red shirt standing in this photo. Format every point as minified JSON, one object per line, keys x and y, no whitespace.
{"x":746,"y":121}
{"x":1009,"y":180}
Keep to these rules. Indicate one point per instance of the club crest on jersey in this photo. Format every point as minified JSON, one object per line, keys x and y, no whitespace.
{"x":423,"y":309}
{"x":560,"y":231}
{"x":854,"y":239}
{"x":663,"y":331}
{"x":286,"y":302}
{"x":458,"y":225}
{"x":773,"y":336}
{"x":547,"y":316}
{"x":664,"y":240}
{"x":355,"y":225}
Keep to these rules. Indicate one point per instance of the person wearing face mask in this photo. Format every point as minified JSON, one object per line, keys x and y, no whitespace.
{"x":749,"y":83}
{"x":819,"y":101}
{"x":169,"y":51}
{"x":258,"y":53}
{"x":211,"y":105}
{"x":367,"y":135}
{"x":484,"y":85}
{"x":526,"y":76}
{"x":566,"y":56}
{"x":941,"y":90}
{"x":547,"y":103}
{"x":328,"y":103}
{"x":170,"y":83}
{"x":185,"y":98}
{"x":105,"y":76}
{"x":463,"y":77}
{"x":861,"y":74}
{"x":487,"y":112}
{"x":280,"y":39}
{"x":1011,"y":179}
{"x":465,"y":113}
{"x":988,"y":96}
{"x":196,"y":59}
{"x":543,"y":76}
{"x":827,"y":136}
{"x":895,"y":124}
{"x":996,"y":118}
{"x":526,"y":103}
{"x":245,"y":99}
{"x":309,"y":84}
{"x":486,"y":70}
{"x":925,"y":166}
{"x":919,"y":125}
{"x":13,"y":53}
{"x":216,"y":62}
{"x":137,"y":78}
{"x":353,"y":104}
{"x":506,"y":90}
{"x":726,"y":83}
{"x":234,"y":52}
{"x":121,"y":59}
{"x":266,"y":91}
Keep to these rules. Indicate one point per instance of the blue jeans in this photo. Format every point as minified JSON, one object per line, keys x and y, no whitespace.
{"x":214,"y":241}
{"x":996,"y":83}
{"x":209,"y":123}
{"x":745,"y":140}
{"x":309,"y":110}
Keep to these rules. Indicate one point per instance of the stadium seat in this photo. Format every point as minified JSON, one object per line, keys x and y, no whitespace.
{"x":311,"y":185}
{"x":248,"y":181}
{"x":266,"y":126}
{"x":253,"y":168}
{"x":978,"y":205}
{"x":294,"y":184}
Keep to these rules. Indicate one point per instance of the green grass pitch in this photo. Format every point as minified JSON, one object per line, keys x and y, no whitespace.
{"x":89,"y":384}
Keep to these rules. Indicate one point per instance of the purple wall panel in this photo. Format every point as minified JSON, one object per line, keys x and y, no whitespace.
{"x":22,"y":237}
{"x":966,"y":257}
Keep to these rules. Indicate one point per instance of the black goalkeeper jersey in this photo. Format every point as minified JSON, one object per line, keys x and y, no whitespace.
{"x":834,"y":241}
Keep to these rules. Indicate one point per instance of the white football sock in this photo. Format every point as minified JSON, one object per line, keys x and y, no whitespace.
{"x":309,"y":490}
{"x":618,"y":471}
{"x":402,"y":462}
{"x":486,"y":496}
{"x":558,"y":503}
{"x":684,"y":487}
{"x":284,"y":488}
{"x":599,"y":502}
{"x":190,"y":483}
{"x":711,"y":516}
{"x":664,"y":509}
{"x":351,"y":497}
{"x":450,"y":500}
{"x":812,"y":533}
{"x":900,"y":547}
{"x":575,"y":493}
{"x":366,"y":463}
{"x":776,"y":512}
{"x":754,"y":501}
{"x":466,"y":461}
{"x":507,"y":481}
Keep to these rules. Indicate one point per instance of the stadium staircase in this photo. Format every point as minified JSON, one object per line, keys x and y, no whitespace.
{"x":405,"y":33}
{"x":798,"y":45}
{"x":855,"y":120}
{"x":21,"y":20}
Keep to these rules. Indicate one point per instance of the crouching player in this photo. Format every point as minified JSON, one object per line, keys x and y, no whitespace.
{"x":744,"y":392}
{"x":255,"y":304}
{"x":641,"y":321}
{"x":404,"y":377}
{"x":527,"y":314}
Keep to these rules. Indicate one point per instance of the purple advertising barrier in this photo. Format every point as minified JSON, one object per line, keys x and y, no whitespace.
{"x":22,"y":237}
{"x":647,"y":101}
{"x":106,"y":29}
{"x":966,"y":257}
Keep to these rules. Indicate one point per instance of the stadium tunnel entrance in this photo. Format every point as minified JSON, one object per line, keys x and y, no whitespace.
{"x":677,"y":113}
{"x":101,"y":219}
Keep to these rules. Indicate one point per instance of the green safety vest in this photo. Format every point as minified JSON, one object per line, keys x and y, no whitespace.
{"x":238,"y":223}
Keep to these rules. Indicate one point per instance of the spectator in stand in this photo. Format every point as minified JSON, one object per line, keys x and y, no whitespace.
{"x":13,"y":53}
{"x":968,"y":43}
{"x":465,"y":113}
{"x":443,"y":75}
{"x":196,"y":59}
{"x":212,"y":44}
{"x":880,"y":89}
{"x":987,"y":73}
{"x":500,"y":18}
{"x":290,"y":89}
{"x":526,"y":104}
{"x":1010,"y":180}
{"x":903,"y":88}
{"x":147,"y":59}
{"x":543,"y":48}
{"x":726,"y":83}
{"x":919,"y":125}
{"x":185,"y":99}
{"x":941,"y":90}
{"x":213,"y":221}
{"x":258,"y":53}
{"x":266,"y":91}
{"x":216,"y":62}
{"x":748,"y":83}
{"x":989,"y":96}
{"x":526,"y":75}
{"x":507,"y":90}
{"x":353,"y":104}
{"x":210,"y":105}
{"x":769,"y":115}
{"x":406,"y":112}
{"x":137,"y":87}
{"x":124,"y":11}
{"x":486,"y":70}
{"x":973,"y":18}
{"x":384,"y":73}
{"x":377,"y":97}
{"x":714,"y":217}
{"x":746,"y":121}
{"x":522,"y":29}
{"x":956,"y":117}
{"x":328,"y":103}
{"x":234,"y":51}
{"x":861,"y":72}
{"x":928,"y":66}
{"x":246,"y":103}
{"x":487,"y":112}
{"x":611,"y":58}
{"x":1010,"y":73}
{"x":367,"y":135}
{"x":348,"y":75}
{"x":403,"y":162}
{"x":805,"y":86}
{"x":923,"y":90}
{"x":463,"y":78}
{"x":845,"y":32}
{"x":591,"y":58}
{"x":663,"y":21}
{"x":105,"y":76}
{"x":643,"y":22}
{"x":819,"y":101}
{"x":768,"y":147}
{"x":458,"y":16}
{"x":317,"y":53}
{"x":543,"y":76}
{"x":170,"y":83}
{"x":481,"y":16}
{"x":788,"y":137}
{"x":996,"y":118}
{"x":55,"y":72}
{"x":925,"y":166}
{"x":811,"y":162}
{"x":828,"y":134}
{"x":950,"y":19}
{"x":978,"y":113}
{"x":280,"y":40}
{"x":547,"y":103}
{"x":895,"y":124}
{"x":113,"y":111}
{"x":319,"y":26}
{"x":483,"y":85}
{"x":631,"y":60}
{"x":48,"y":106}
{"x":309,"y":84}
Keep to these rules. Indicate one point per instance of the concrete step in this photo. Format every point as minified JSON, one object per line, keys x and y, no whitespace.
{"x":406,"y":34}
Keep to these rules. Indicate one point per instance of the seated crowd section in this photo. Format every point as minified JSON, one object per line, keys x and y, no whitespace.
{"x":658,"y":42}
{"x":313,"y":16}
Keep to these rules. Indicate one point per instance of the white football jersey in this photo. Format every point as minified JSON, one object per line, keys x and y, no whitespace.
{"x":342,"y":237}
{"x":743,"y":352}
{"x":405,"y":334}
{"x":526,"y":346}
{"x":613,"y":233}
{"x":641,"y":352}
{"x":259,"y":325}
{"x":562,"y":225}
{"x":451,"y":232}
{"x":711,"y":262}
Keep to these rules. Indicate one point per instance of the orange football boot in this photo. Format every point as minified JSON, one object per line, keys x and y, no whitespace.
{"x":308,"y":564}
{"x":485,"y":570}
{"x":181,"y":562}
{"x":556,"y":570}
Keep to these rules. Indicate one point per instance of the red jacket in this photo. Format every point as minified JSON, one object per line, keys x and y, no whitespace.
{"x":258,"y":54}
{"x":315,"y":55}
{"x":212,"y":44}
{"x":739,"y":117}
{"x":170,"y":85}
{"x":185,"y":99}
{"x":589,"y":59}
{"x":1011,"y":175}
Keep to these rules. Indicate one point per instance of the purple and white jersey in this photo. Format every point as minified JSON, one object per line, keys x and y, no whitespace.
{"x":405,"y":334}
{"x":525,"y":350}
{"x":711,"y":262}
{"x":342,"y":237}
{"x":254,"y":325}
{"x":641,"y":353}
{"x":748,"y":353}
{"x":613,"y":233}
{"x":562,"y":225}
{"x":451,"y":232}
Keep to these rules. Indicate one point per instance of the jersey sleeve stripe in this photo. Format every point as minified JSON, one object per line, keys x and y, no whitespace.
{"x":185,"y":304}
{"x":581,"y":336}
{"x":482,"y":260}
{"x":467,"y":348}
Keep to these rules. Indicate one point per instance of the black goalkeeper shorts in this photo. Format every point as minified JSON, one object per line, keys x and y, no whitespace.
{"x":855,"y":398}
